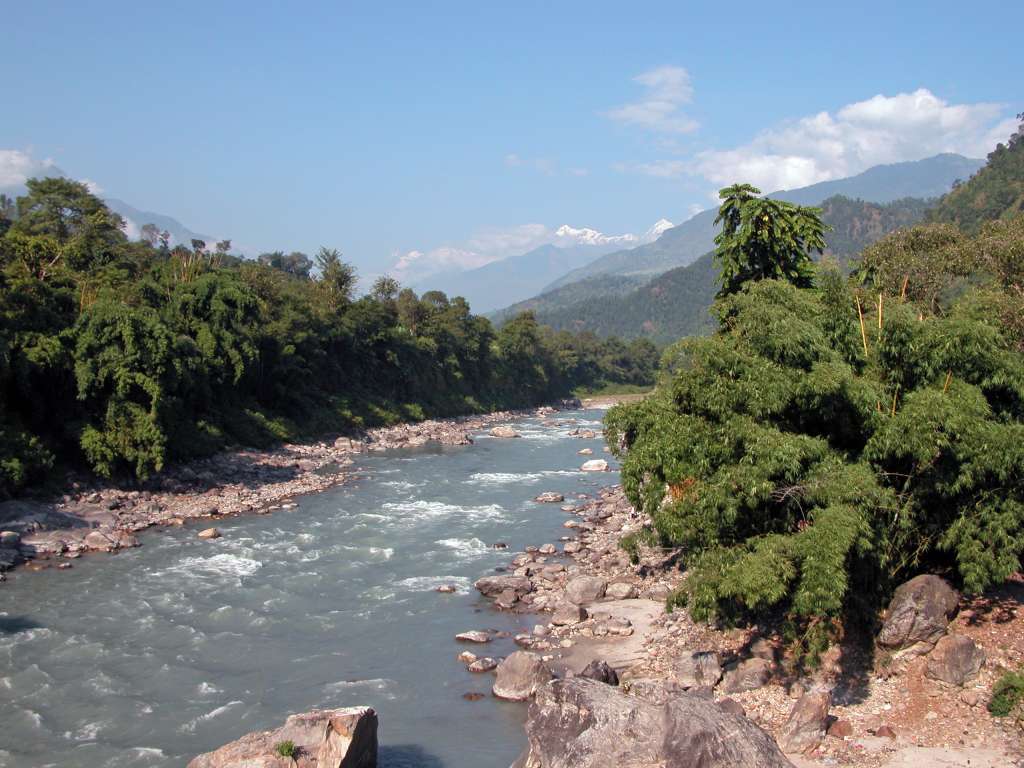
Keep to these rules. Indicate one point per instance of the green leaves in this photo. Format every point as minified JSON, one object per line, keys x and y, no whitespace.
{"x":797,"y":474}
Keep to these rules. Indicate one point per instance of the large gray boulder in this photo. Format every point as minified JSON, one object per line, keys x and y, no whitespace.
{"x":955,"y":660}
{"x":919,"y":612}
{"x":698,"y":669}
{"x":585,"y":589}
{"x":748,"y":675}
{"x":331,"y":738}
{"x":581,"y":723}
{"x":519,"y":676}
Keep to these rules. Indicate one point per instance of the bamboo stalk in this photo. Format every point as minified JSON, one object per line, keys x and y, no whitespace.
{"x":894,"y":396}
{"x":949,"y":378}
{"x":863,"y":331}
{"x":879,"y":315}
{"x":903,"y":290}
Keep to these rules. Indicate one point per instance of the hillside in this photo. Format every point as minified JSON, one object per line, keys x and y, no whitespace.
{"x":681,"y":245}
{"x":675,"y":303}
{"x":994,"y":192}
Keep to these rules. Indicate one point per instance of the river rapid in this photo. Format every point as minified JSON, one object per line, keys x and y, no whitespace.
{"x":150,"y":656}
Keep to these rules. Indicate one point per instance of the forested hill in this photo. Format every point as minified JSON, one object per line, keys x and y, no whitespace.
{"x":994,"y":192}
{"x":676,"y":303}
{"x":120,"y":356}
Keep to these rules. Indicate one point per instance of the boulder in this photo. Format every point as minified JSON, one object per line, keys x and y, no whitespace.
{"x":621,"y":590}
{"x":492,"y":586}
{"x":337,"y":738}
{"x":698,"y":669}
{"x":600,"y":671}
{"x":547,"y":549}
{"x":595,"y":465}
{"x":732,"y":707}
{"x":655,"y":690}
{"x":567,"y":613}
{"x":807,"y":723}
{"x":585,"y":451}
{"x":550,"y":497}
{"x":485,"y":664}
{"x":748,"y":675}
{"x":585,"y":589}
{"x":504,"y":431}
{"x":519,"y":676}
{"x":955,"y":660}
{"x":580,"y":723}
{"x":919,"y":612}
{"x":473,"y":636}
{"x":10,"y":538}
{"x":209,"y":533}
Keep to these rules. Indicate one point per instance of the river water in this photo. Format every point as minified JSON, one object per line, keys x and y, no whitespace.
{"x":150,"y":656}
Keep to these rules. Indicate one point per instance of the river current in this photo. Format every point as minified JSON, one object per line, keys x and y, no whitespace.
{"x":150,"y":656}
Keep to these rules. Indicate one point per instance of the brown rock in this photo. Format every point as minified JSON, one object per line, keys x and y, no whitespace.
{"x":840,"y":729}
{"x":698,"y":669}
{"x":474,"y":636}
{"x":486,"y":664}
{"x":492,"y":586}
{"x":550,"y":497}
{"x":748,"y":675}
{"x":600,"y":670}
{"x":519,"y":676}
{"x":339,"y":738}
{"x":209,"y":533}
{"x":885,"y":732}
{"x":580,"y":723}
{"x":567,"y":613}
{"x":585,"y":589}
{"x":621,"y":590}
{"x":955,"y":660}
{"x":919,"y":612}
{"x":732,"y":707}
{"x":808,"y":720}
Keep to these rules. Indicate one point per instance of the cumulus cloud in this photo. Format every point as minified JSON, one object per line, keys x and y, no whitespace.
{"x":17,"y":166}
{"x":882,"y":129}
{"x":666,"y":90}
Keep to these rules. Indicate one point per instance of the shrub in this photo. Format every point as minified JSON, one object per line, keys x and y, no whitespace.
{"x":1008,"y":696}
{"x":800,"y":475}
{"x":286,"y":748}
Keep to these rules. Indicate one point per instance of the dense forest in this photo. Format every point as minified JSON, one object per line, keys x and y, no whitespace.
{"x":120,"y":356}
{"x":676,"y":303}
{"x":839,"y":434}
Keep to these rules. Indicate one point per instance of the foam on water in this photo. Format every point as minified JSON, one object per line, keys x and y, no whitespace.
{"x":191,"y":725}
{"x":221,"y":566}
{"x":509,"y":478}
{"x":421,"y":509}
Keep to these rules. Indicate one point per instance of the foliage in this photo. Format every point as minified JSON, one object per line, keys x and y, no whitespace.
{"x":995,"y":192}
{"x":286,"y":748}
{"x":122,"y":356}
{"x":798,"y":473}
{"x":1008,"y":696}
{"x":763,"y":239}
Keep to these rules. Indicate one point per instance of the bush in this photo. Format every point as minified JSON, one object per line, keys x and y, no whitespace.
{"x":1008,"y":696}
{"x":286,"y":748}
{"x":800,"y":475}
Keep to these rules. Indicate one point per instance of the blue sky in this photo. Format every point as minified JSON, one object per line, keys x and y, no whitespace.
{"x":464,"y":131}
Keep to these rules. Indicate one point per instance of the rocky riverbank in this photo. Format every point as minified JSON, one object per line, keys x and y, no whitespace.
{"x":912,"y":702}
{"x":104,"y":517}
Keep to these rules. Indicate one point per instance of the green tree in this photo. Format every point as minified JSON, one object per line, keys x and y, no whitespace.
{"x":765,"y":239}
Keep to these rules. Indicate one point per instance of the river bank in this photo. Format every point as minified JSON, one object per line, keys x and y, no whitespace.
{"x":594,"y":605}
{"x":92,"y":516}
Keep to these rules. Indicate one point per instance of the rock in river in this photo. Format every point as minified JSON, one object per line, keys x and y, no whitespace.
{"x":332,"y":738}
{"x":550,"y":497}
{"x":504,"y":431}
{"x":473,"y":636}
{"x":519,"y":676}
{"x":595,"y":465}
{"x":492,"y":586}
{"x":585,"y":589}
{"x":580,"y":723}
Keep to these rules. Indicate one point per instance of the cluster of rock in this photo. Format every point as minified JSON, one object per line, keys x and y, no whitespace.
{"x":335,"y":738}
{"x":90,"y":518}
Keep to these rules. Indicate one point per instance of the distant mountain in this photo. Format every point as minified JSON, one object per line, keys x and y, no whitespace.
{"x":675,"y":303}
{"x":136,"y":219}
{"x":994,"y":192}
{"x":518,"y":277}
{"x":683,"y":244}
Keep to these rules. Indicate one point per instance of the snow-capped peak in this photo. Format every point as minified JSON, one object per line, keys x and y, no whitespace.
{"x":657,"y":230}
{"x":588,"y":236}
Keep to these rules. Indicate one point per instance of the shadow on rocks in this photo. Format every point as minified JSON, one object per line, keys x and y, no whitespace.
{"x":10,"y":625}
{"x":407,"y":756}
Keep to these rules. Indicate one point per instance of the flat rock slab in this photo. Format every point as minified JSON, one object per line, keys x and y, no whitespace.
{"x":929,"y":757}
{"x":620,"y":652}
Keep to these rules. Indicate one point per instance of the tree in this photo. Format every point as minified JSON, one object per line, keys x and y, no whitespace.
{"x":764,"y":239}
{"x":150,"y":233}
{"x":385,"y":289}
{"x":337,"y":279}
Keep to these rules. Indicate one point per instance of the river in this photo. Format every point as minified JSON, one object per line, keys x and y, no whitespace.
{"x":150,"y":656}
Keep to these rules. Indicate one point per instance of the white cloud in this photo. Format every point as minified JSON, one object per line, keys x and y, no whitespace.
{"x":16,"y":167}
{"x":93,"y":187}
{"x":667,"y":89}
{"x":496,"y":243}
{"x":882,"y":129}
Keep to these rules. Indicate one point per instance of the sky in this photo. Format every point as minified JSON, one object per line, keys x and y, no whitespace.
{"x":423,"y":136}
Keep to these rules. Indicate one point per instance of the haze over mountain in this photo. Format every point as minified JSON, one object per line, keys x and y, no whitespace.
{"x":520,"y":276}
{"x":664,"y":288}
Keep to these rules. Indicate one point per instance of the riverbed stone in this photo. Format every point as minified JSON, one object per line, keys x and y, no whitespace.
{"x":209,"y":533}
{"x":492,"y":586}
{"x":595,"y":465}
{"x":567,"y":614}
{"x":621,"y":590}
{"x":550,"y":497}
{"x":748,"y":675}
{"x":956,"y":659}
{"x":473,"y":636}
{"x":697,"y":669}
{"x":581,"y":723}
{"x":585,"y":589}
{"x":919,"y":612}
{"x":807,"y":722}
{"x":601,"y":671}
{"x":486,"y":664}
{"x":334,"y":738}
{"x":520,"y":675}
{"x":504,"y":431}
